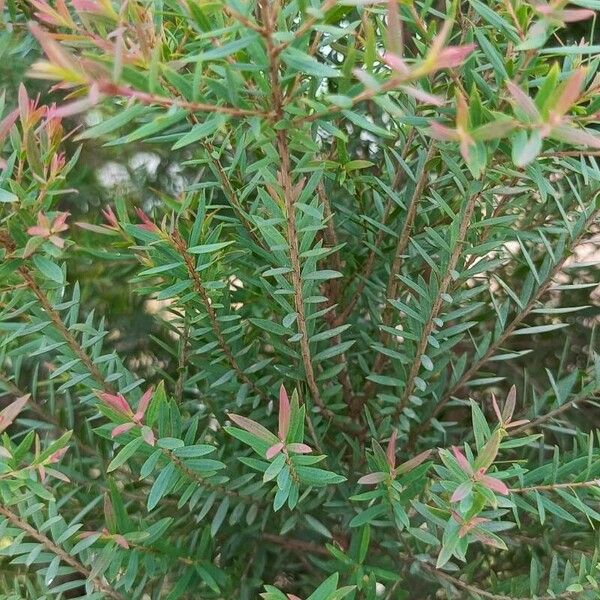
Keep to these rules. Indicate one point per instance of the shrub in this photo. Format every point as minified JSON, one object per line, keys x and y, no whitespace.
{"x":327,"y":356}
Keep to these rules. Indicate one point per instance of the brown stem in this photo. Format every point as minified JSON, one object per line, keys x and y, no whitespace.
{"x":107,"y":87}
{"x":595,"y":483}
{"x":64,"y":556}
{"x":508,"y":331}
{"x":182,"y":361}
{"x":290,"y":194}
{"x":181,"y":247}
{"x":333,"y":292}
{"x":367,"y":269}
{"x":557,"y":411}
{"x":393,"y":281}
{"x":64,"y":331}
{"x":437,"y":306}
{"x":193,"y":476}
{"x":302,"y":546}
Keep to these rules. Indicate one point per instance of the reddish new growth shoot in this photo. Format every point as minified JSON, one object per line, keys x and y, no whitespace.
{"x":120,"y":404}
{"x":50,"y":229}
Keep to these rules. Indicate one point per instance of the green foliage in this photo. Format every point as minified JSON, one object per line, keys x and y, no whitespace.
{"x":378,"y":208}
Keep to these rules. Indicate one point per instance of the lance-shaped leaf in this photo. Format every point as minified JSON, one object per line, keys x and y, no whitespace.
{"x":11,"y":412}
{"x":462,"y":491}
{"x":509,"y":405}
{"x":462,"y":461}
{"x":372,"y":478}
{"x":443,"y":133}
{"x":494,"y":484}
{"x":454,"y":56}
{"x":394,"y":37}
{"x":116,"y":401}
{"x":489,"y":451}
{"x":284,"y":413}
{"x":569,"y":15}
{"x":568,"y":93}
{"x":412,"y":463}
{"x":422,"y":95}
{"x":396,"y":63}
{"x":254,"y":428}
{"x":391,"y":450}
{"x":572,"y":135}
{"x":274,"y":450}
{"x":143,"y":404}
{"x":77,"y":106}
{"x":62,"y":66}
{"x":120,"y":429}
{"x":523,"y":101}
{"x":299,"y":448}
{"x":497,"y":410}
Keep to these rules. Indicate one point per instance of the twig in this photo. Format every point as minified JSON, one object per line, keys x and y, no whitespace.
{"x":437,"y":306}
{"x":290,"y":194}
{"x":64,"y":556}
{"x":557,"y":486}
{"x":393,"y":281}
{"x":585,"y":397}
{"x":182,"y":361}
{"x":369,"y":264}
{"x":180,"y":245}
{"x":508,"y":331}
{"x":64,"y":331}
{"x":107,"y":87}
{"x":333,"y":292}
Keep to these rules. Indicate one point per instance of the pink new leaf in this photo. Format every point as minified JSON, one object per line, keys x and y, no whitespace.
{"x":274,"y":450}
{"x":148,"y":436}
{"x":11,"y":412}
{"x":60,"y":222}
{"x":453,"y":56}
{"x":569,"y":93}
{"x":115,"y":401}
{"x":396,"y":63}
{"x":56,"y":456}
{"x":488,"y":540}
{"x":523,"y":101}
{"x":110,"y":217}
{"x":254,"y":428}
{"x":284,"y":413}
{"x":572,"y":15}
{"x":120,"y":429}
{"x":391,"y":450}
{"x":440,"y":132}
{"x":143,"y":405}
{"x":55,"y":53}
{"x":415,"y":461}
{"x":299,"y":448}
{"x":462,"y":491}
{"x":497,"y":409}
{"x":7,"y":123}
{"x":77,"y":106}
{"x":579,"y":137}
{"x":120,"y":540}
{"x":509,"y":405}
{"x":494,"y":484}
{"x":146,"y":222}
{"x":372,"y":478}
{"x":462,"y":461}
{"x":422,"y":95}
